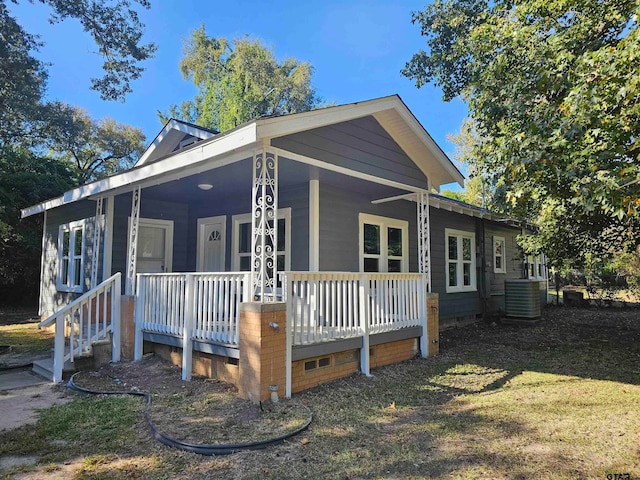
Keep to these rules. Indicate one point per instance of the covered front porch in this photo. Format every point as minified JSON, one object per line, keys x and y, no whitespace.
{"x":225,"y":236}
{"x":324,"y":215}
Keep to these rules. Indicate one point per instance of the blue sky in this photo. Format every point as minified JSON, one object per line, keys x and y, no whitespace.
{"x":357,"y":48}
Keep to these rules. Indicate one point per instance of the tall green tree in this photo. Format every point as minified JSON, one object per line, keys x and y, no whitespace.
{"x":479,"y":187}
{"x":92,"y":148}
{"x":117,"y":32}
{"x":553,"y":87}
{"x":238,"y":81}
{"x":25,"y":179}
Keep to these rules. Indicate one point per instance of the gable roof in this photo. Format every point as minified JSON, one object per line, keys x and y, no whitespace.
{"x":169,"y":138}
{"x":161,"y":162}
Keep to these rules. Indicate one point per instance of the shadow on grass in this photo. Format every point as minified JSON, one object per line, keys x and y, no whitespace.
{"x":499,"y":402}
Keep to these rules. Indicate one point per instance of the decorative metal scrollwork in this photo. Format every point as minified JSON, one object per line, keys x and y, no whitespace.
{"x":424,"y":237}
{"x":133,"y":242}
{"x":264,"y":214}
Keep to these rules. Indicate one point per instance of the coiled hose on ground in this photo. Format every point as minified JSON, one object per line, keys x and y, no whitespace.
{"x":202,"y":449}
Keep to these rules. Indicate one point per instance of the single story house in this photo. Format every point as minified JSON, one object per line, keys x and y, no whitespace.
{"x":325,"y":222}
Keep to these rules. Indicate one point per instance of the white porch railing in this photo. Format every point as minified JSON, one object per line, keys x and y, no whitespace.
{"x":85,"y":321}
{"x":327,"y":306}
{"x":200,"y":306}
{"x":324,"y":306}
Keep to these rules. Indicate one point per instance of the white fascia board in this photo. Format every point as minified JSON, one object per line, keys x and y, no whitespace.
{"x":172,"y":125}
{"x":220,"y":145}
{"x":288,"y":124}
{"x":430,"y":143}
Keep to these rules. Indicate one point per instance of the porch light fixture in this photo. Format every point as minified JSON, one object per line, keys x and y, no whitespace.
{"x":205,"y":186}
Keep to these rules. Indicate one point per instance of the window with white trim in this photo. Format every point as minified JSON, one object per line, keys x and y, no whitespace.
{"x":241,"y":242}
{"x":536,"y":268}
{"x":70,"y":276}
{"x":460,"y":254}
{"x":384,"y":244}
{"x":499,"y":255}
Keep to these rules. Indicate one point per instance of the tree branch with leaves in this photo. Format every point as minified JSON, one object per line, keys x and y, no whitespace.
{"x":553,"y":89}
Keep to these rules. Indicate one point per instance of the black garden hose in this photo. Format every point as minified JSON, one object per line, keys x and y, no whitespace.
{"x":201,"y":449}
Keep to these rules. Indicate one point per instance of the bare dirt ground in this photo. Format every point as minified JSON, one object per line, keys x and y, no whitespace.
{"x":211,"y":410}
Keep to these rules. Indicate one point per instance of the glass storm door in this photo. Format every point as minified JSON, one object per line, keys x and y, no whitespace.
{"x":155,"y":246}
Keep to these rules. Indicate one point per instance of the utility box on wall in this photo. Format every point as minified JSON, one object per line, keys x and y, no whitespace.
{"x":522,"y":299}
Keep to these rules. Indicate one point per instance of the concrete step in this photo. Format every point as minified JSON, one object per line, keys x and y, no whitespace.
{"x":44,"y":368}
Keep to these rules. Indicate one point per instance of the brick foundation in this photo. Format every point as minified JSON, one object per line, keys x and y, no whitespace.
{"x":262,"y":349}
{"x":205,"y":364}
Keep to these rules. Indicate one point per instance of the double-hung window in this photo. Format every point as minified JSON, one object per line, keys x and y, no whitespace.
{"x":70,"y":275}
{"x":383,"y":244}
{"x":499,"y":255}
{"x":460,"y":255}
{"x":536,"y":267}
{"x":242,"y":232}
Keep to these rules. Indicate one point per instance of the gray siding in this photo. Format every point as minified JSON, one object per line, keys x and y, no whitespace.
{"x":361,"y":145}
{"x":460,"y":304}
{"x":490,"y":285}
{"x":339,"y":227}
{"x":295,"y":197}
{"x":149,"y":208}
{"x":50,"y":298}
{"x":512,"y":259}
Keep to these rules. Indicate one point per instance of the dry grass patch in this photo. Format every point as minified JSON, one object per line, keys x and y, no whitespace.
{"x":555,"y":400}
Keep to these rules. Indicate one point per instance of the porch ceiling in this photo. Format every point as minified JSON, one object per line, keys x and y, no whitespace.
{"x":229,"y":180}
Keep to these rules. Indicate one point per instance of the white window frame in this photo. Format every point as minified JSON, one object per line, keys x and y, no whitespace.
{"x":538,"y":263}
{"x":168,"y":241}
{"x":383,"y":258}
{"x":460,"y":287}
{"x":237,"y":220}
{"x":66,"y":284}
{"x":502,"y":240}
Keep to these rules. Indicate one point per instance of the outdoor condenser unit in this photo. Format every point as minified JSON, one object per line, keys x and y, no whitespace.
{"x":522,"y":298}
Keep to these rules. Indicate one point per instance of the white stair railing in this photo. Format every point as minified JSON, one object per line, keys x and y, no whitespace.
{"x":85,"y":321}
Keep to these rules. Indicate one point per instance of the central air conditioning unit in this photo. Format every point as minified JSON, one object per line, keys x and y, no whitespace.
{"x":522,"y":299}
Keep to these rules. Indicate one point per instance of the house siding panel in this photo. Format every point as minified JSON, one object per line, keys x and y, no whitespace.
{"x":339,"y":227}
{"x":512,"y":260}
{"x":295,"y":197}
{"x":361,"y":145}
{"x":460,"y":304}
{"x":51,"y":299}
{"x":149,"y":208}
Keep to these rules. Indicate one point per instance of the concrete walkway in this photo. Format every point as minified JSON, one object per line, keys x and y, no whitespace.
{"x":22,"y":394}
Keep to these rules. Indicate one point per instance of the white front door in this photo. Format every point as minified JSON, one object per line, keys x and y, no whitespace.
{"x":211,"y":244}
{"x":155,"y":246}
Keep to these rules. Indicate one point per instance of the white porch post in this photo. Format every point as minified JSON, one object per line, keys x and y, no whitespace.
{"x":133,"y":242}
{"x":264,"y":215}
{"x":97,"y":230}
{"x":108,"y":238}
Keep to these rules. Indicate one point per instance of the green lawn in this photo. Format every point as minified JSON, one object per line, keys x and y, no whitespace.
{"x":26,"y":337}
{"x":557,"y":400}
